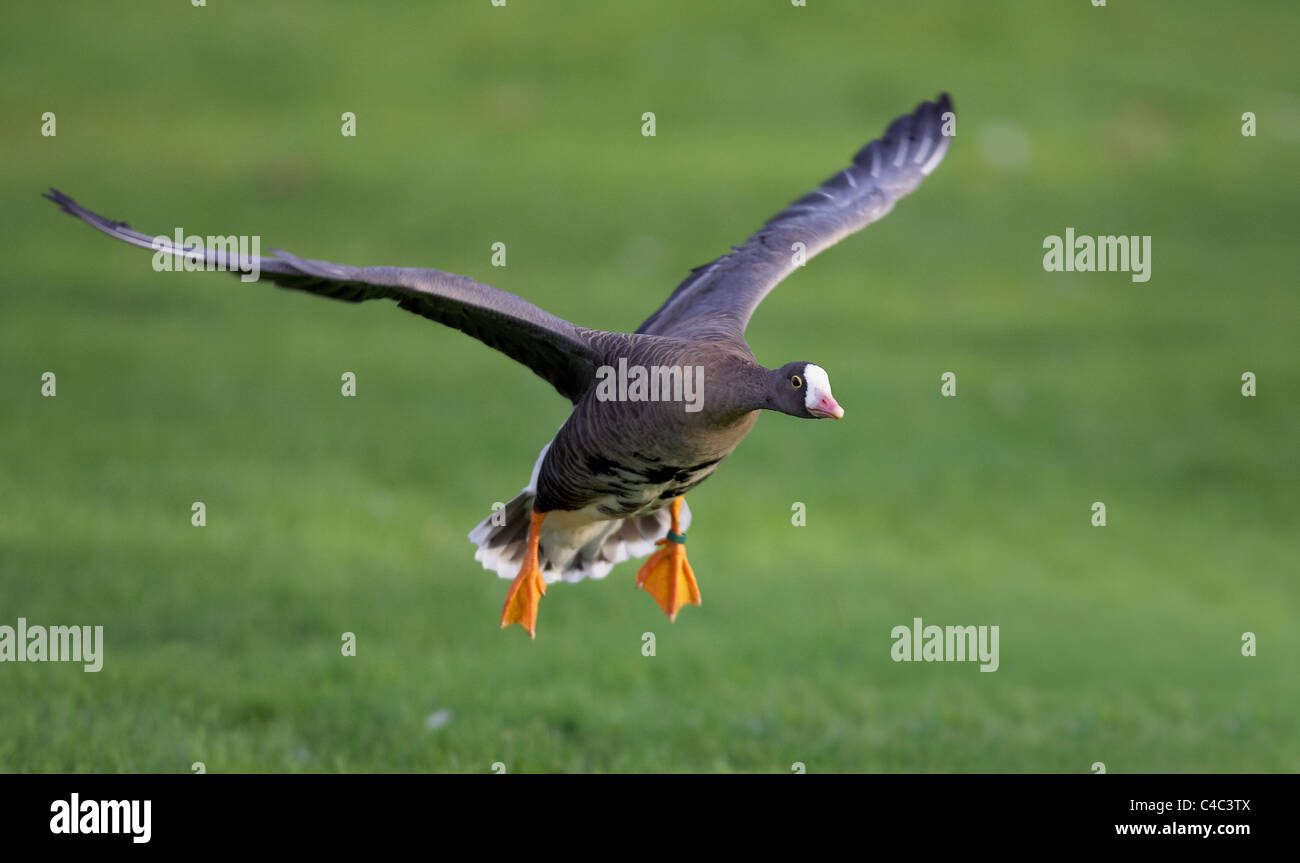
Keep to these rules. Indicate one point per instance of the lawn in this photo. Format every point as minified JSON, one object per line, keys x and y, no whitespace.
{"x":328,"y":515}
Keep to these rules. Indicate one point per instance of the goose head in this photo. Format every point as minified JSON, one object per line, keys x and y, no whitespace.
{"x":803,"y":390}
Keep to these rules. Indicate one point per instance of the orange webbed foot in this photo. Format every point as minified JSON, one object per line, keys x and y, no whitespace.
{"x":667,"y":576}
{"x":525,"y":593}
{"x":528,"y":587}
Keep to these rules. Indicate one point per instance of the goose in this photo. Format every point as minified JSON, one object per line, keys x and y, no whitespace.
{"x":655,"y":411}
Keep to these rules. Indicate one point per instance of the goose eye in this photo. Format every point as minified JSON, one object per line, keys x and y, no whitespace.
{"x":796,"y":381}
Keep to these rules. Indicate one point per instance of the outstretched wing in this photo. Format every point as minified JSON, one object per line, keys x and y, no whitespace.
{"x":720,"y":297}
{"x":562,"y":353}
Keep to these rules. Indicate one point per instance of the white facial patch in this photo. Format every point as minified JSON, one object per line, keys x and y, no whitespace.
{"x":818,"y":385}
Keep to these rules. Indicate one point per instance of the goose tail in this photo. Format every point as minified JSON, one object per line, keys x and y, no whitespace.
{"x":571,"y":548}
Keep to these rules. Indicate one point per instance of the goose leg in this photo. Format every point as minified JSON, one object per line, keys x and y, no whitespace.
{"x":666,"y":575}
{"x":528,"y":587}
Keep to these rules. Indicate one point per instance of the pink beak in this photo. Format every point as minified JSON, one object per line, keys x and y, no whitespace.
{"x":827,"y":408}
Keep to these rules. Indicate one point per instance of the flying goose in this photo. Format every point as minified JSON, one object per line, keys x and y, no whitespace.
{"x":610,"y":485}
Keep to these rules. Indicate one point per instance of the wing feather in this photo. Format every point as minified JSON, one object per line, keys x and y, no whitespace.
{"x":719,"y":298}
{"x":562,"y":353}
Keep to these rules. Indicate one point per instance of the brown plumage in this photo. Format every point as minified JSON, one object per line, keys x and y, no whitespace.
{"x":605,"y":479}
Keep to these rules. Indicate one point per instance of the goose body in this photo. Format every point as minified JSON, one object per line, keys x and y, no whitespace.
{"x":610,"y":484}
{"x":606,"y":479}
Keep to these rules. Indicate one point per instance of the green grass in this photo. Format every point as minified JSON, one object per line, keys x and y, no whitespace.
{"x":329,"y":515}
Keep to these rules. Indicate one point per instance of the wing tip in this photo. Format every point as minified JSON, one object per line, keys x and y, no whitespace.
{"x":916,"y":138}
{"x":64,"y":202}
{"x":931,"y":115}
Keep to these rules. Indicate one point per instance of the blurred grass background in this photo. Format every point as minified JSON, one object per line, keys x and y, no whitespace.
{"x":522,"y":124}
